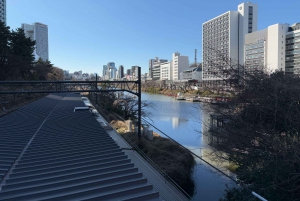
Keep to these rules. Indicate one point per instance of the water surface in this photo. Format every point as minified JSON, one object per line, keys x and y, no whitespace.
{"x":183,"y":121}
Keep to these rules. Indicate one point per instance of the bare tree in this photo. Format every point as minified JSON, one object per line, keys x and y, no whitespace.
{"x":129,"y":105}
{"x":258,"y":129}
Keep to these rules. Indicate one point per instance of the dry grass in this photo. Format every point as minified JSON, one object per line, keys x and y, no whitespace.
{"x":174,"y":160}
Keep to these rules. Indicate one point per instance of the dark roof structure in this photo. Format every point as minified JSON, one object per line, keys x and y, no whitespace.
{"x":50,"y":152}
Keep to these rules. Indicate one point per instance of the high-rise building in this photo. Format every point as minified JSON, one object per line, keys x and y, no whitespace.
{"x":179,"y":63}
{"x":274,"y":48}
{"x":134,"y":72}
{"x":104,"y":71}
{"x":121,"y":72}
{"x":3,"y":11}
{"x":151,"y":62}
{"x":154,"y":67}
{"x":225,"y":35}
{"x":265,"y":49}
{"x":39,"y":33}
{"x":166,"y":71}
{"x":292,"y":59}
{"x":112,"y":70}
{"x":128,"y":72}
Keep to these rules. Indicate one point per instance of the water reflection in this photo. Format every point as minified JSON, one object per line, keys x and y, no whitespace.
{"x":177,"y":121}
{"x":186,"y":123}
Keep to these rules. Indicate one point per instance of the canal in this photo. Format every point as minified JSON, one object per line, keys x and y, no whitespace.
{"x":183,"y":121}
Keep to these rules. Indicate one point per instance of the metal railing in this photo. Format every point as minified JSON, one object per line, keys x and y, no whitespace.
{"x":154,"y":165}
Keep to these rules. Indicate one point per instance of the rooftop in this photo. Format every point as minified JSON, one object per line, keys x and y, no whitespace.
{"x":48,"y":151}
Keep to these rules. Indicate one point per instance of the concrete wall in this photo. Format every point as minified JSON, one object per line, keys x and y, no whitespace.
{"x":276,"y":47}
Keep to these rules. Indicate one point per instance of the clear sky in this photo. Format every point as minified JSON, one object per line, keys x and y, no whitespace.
{"x":87,"y":34}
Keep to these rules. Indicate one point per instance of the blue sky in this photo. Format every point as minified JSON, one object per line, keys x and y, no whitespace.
{"x":87,"y":34}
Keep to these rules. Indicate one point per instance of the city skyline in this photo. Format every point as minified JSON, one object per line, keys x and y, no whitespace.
{"x":84,"y":35}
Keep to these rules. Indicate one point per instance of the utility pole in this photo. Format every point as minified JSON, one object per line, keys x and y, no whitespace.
{"x":96,"y":89}
{"x":139,"y":82}
{"x":196,"y":58}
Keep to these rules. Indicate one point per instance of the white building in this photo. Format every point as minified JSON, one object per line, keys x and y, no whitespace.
{"x":292,"y":59}
{"x":39,"y":33}
{"x":274,"y":48}
{"x":3,"y":11}
{"x":224,"y":35}
{"x":179,"y":63}
{"x":265,"y":49}
{"x":154,"y":68}
{"x":194,"y":73}
{"x":166,"y":71}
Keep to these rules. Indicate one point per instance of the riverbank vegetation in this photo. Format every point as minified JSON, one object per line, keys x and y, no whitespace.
{"x":259,"y":132}
{"x":174,"y":160}
{"x":155,"y":88}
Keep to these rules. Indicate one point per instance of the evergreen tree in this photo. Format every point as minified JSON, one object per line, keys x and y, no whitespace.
{"x":16,"y":54}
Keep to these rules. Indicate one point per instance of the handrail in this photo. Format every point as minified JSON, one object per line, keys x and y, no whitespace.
{"x":162,"y":172}
{"x":252,"y":192}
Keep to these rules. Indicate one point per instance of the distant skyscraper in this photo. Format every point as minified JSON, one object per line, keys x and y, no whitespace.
{"x":134,"y":71}
{"x":104,"y":71}
{"x":112,"y":70}
{"x":39,"y":33}
{"x":121,"y":72}
{"x":3,"y":11}
{"x":225,"y":35}
{"x":128,"y":72}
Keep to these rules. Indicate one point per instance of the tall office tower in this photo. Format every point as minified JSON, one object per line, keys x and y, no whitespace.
{"x":121,"y":72}
{"x":265,"y":49}
{"x":179,"y":63}
{"x":112,"y":70}
{"x":225,"y":35}
{"x":128,"y":72}
{"x":3,"y":11}
{"x":39,"y":33}
{"x":104,"y":71}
